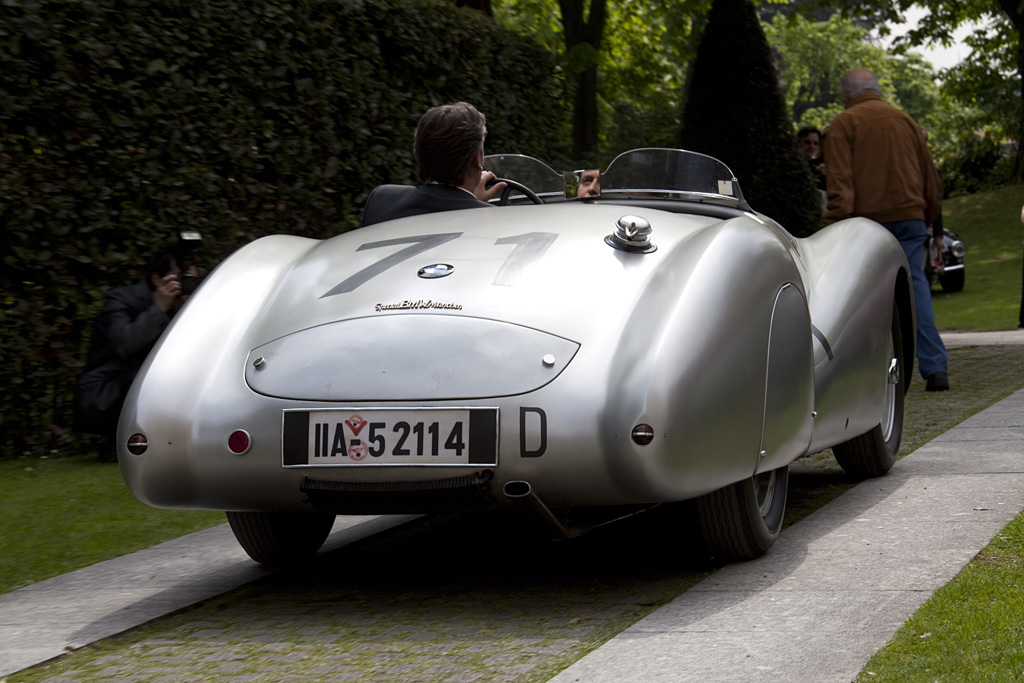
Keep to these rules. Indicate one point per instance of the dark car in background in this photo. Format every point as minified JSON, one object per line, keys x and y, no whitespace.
{"x":951,"y":276}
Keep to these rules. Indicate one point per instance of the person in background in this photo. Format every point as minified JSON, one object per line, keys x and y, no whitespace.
{"x":810,"y":143}
{"x":449,"y":150}
{"x":880,"y":167}
{"x":131,"y":320}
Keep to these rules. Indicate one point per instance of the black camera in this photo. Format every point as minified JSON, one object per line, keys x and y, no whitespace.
{"x":188,"y":281}
{"x":184,"y":254}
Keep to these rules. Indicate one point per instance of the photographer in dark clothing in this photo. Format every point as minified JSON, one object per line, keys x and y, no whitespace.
{"x":131,"y":321}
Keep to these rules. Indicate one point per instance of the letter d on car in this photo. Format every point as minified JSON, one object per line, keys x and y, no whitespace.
{"x":533,"y":431}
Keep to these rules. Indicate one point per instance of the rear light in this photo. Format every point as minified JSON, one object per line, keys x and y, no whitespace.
{"x":137,"y":444}
{"x":239,"y":442}
{"x":643,"y":435}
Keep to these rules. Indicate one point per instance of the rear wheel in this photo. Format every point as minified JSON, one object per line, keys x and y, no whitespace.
{"x":742,"y":520}
{"x":874,"y":453}
{"x":280,"y":537}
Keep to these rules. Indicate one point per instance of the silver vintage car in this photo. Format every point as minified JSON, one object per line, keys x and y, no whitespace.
{"x":594,"y":347}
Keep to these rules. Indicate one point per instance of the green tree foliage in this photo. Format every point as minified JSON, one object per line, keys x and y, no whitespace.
{"x":968,"y":146}
{"x":988,"y":94}
{"x":644,"y":66}
{"x":734,"y":111}
{"x":124,"y":121}
{"x":574,"y":30}
{"x":641,"y":65}
{"x":814,"y":55}
{"x":812,"y":58}
{"x":991,"y":79}
{"x":913,"y":79}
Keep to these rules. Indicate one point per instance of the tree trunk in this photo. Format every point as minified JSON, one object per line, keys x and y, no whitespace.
{"x":578,"y":31}
{"x":1015,"y":11}
{"x":1018,"y":162}
{"x":584,"y":116}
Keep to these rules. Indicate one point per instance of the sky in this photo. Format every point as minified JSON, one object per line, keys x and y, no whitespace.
{"x":940,"y":57}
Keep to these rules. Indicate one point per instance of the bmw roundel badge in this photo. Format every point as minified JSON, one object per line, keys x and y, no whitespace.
{"x":435,"y":271}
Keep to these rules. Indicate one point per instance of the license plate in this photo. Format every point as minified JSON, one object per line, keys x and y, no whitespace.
{"x":390,"y":436}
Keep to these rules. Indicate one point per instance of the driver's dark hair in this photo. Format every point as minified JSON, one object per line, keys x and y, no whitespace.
{"x":448,"y":137}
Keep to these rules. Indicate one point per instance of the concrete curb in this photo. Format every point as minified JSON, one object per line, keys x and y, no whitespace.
{"x":1000,"y":338}
{"x":837,"y":586}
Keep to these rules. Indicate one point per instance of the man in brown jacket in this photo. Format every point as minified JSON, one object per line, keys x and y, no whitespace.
{"x":879,"y":167}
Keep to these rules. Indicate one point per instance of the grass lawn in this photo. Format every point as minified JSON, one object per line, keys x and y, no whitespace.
{"x":60,"y":514}
{"x":989,"y":224}
{"x":972,"y":629}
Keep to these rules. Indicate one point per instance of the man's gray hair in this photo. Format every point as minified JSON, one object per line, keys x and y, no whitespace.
{"x":859,"y":82}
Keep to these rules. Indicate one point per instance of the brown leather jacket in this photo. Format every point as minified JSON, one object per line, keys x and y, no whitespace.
{"x":878,"y":166}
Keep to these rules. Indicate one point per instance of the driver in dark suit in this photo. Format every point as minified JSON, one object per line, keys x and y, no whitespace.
{"x":449,"y":149}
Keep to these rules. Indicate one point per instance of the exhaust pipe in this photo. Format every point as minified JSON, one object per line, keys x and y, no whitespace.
{"x":523,"y":497}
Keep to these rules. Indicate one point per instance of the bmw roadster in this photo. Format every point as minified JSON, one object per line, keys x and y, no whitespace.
{"x":593,"y":347}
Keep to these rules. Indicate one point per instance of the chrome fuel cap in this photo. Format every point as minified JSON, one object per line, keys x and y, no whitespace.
{"x":633,"y":234}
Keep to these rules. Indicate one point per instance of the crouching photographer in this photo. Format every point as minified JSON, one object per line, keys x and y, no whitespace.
{"x":130,"y":322}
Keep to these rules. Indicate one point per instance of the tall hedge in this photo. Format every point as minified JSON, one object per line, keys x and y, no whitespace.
{"x":734,"y":111}
{"x":125,"y":121}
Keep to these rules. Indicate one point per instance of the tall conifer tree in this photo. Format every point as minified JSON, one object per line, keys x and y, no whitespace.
{"x":734,"y":111}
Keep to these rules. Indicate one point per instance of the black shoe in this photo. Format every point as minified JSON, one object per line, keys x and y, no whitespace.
{"x":937,"y":382}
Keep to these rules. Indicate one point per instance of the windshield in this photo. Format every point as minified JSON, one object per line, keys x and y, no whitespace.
{"x":649,"y":172}
{"x":535,"y":174}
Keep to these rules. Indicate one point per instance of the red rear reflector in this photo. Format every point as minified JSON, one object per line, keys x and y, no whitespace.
{"x":239,"y":442}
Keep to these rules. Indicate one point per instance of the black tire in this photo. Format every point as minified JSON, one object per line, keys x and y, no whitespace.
{"x":873,"y":453}
{"x":742,"y":520}
{"x":280,"y":538}
{"x":953,"y":281}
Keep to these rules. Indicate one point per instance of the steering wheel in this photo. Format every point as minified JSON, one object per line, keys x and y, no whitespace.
{"x":518,"y":187}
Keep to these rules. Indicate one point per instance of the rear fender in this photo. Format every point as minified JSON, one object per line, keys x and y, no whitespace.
{"x":187,"y":366}
{"x":857,"y":272}
{"x":697,"y":365}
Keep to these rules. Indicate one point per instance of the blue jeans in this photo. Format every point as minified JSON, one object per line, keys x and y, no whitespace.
{"x":931,"y":352}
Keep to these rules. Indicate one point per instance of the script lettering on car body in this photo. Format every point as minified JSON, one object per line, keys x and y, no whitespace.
{"x":417,"y":305}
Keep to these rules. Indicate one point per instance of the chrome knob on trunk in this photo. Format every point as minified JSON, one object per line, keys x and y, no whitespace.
{"x":632,"y":233}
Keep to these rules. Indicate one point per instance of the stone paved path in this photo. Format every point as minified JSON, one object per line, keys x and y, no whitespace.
{"x":444,"y":600}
